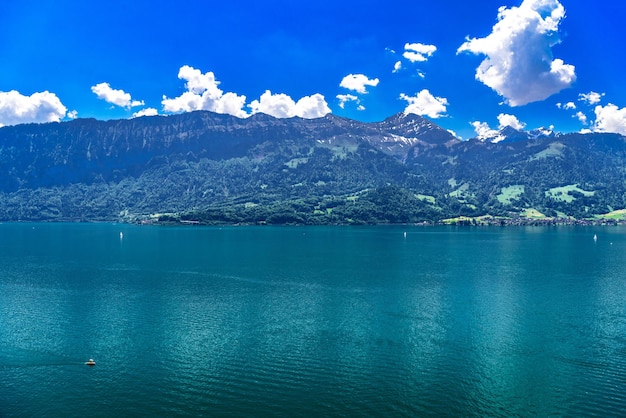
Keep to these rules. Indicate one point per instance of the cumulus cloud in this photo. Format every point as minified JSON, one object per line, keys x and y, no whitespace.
{"x":203,"y":93}
{"x":510,"y":120}
{"x":150,"y":111}
{"x":418,"y":52}
{"x":590,"y":98}
{"x":16,"y":108}
{"x":199,"y":83}
{"x":345,"y":98}
{"x":72,"y":114}
{"x":566,"y":106}
{"x":519,"y":65}
{"x":572,"y":106}
{"x":278,"y":105}
{"x":311,"y":107}
{"x":358,"y":82}
{"x":425,"y":104}
{"x":229,"y":103}
{"x":415,"y":52}
{"x":113,"y":96}
{"x":483,"y":131}
{"x":610,"y":118}
{"x":282,"y":106}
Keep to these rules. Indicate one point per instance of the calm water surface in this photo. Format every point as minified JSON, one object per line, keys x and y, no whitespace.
{"x":264,"y":321}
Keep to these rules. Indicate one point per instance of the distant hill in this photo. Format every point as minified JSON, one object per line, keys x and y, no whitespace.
{"x":219,"y":168}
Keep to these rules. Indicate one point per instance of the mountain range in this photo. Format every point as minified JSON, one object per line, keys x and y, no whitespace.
{"x":214,"y":168}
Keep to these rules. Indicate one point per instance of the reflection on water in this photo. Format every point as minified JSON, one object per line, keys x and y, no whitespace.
{"x":311,"y":321}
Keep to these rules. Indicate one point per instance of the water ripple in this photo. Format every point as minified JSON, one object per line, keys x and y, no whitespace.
{"x":264,"y":322}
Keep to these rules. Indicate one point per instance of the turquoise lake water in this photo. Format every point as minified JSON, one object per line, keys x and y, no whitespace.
{"x":312,"y":321}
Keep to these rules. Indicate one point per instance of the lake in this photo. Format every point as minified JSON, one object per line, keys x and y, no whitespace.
{"x":312,"y":321}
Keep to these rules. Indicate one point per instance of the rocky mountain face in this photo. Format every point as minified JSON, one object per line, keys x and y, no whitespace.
{"x":114,"y":170}
{"x":87,"y":150}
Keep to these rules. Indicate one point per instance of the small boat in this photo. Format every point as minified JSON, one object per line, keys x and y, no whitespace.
{"x":595,"y":237}
{"x":90,"y":362}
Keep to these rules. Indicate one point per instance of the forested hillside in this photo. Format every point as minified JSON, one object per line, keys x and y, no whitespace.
{"x":213,"y":168}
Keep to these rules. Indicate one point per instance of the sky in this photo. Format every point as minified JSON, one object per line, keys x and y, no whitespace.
{"x":472,"y":67}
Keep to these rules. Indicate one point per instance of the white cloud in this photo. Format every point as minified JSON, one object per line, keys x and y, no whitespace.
{"x":229,"y":103}
{"x":311,"y":107}
{"x":150,"y":111}
{"x":397,"y":66}
{"x":483,"y":131}
{"x":566,"y":106}
{"x":278,"y":105}
{"x":282,"y":106}
{"x":454,"y":133}
{"x":113,"y":96}
{"x":203,"y":93}
{"x":72,"y":114}
{"x":16,"y":108}
{"x":510,"y":120}
{"x":358,"y":82}
{"x":572,"y":106}
{"x":418,"y":52}
{"x":345,"y":98}
{"x":610,"y":118}
{"x":199,"y":83}
{"x":425,"y":104}
{"x":519,"y":64}
{"x":590,"y":98}
{"x":186,"y":102}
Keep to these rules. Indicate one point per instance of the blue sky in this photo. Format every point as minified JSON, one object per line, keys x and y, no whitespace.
{"x":469,"y":66}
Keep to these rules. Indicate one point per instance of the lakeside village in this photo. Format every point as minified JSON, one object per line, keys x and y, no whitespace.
{"x":498,"y":221}
{"x":612,"y":219}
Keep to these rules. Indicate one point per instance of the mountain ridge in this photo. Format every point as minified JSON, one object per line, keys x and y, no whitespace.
{"x":87,"y":169}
